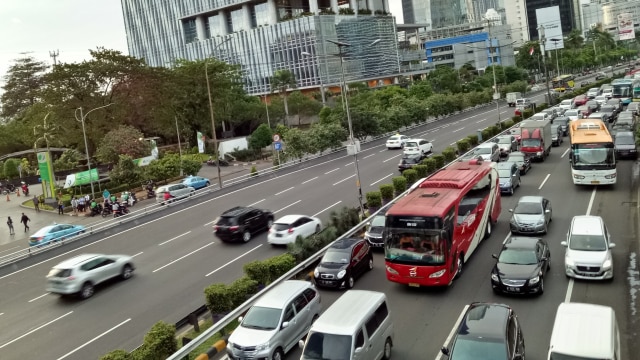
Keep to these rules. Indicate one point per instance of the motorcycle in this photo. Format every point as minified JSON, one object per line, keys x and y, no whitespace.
{"x":121,"y":210}
{"x":212,"y":162}
{"x":132,"y":199}
{"x":96,"y":210}
{"x":7,"y":188}
{"x":25,"y":189}
{"x":106,"y":211}
{"x":151,"y":194}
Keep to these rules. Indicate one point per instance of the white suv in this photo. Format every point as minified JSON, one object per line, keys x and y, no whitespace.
{"x":417,"y":146}
{"x":588,"y":254}
{"x":396,"y":141}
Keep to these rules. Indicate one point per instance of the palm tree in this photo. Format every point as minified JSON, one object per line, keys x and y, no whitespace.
{"x":282,"y":80}
{"x":575,"y":39}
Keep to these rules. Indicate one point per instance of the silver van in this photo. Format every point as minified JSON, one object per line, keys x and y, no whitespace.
{"x":357,"y":327}
{"x":275,"y":323}
{"x":177,"y":191}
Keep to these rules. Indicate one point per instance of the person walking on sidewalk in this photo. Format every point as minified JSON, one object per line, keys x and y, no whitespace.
{"x":36,"y":202}
{"x":74,"y":205}
{"x":10,"y":223}
{"x":25,"y":219}
{"x":60,"y":207}
{"x":81,"y":204}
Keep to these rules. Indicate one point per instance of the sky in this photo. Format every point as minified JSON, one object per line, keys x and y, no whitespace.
{"x":67,"y":27}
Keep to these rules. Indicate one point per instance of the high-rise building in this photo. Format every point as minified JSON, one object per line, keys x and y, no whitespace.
{"x":605,"y":14}
{"x":568,"y":9}
{"x":263,"y":36}
{"x":446,"y":13}
{"x":516,"y":14}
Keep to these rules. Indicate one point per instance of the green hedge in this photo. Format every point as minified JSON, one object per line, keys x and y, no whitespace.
{"x":422,"y":170}
{"x":411,"y":176}
{"x":266,"y":271}
{"x":399,"y":184}
{"x":463,"y":146}
{"x":374,"y":198}
{"x":431,"y":165}
{"x":440,"y":161}
{"x":386,"y":191}
{"x":449,"y":154}
{"x":473,"y":140}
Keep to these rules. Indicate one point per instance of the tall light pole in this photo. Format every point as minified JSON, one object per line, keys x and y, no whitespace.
{"x":496,"y":93}
{"x":555,"y":45}
{"x":543,"y":41}
{"x":179,"y":145}
{"x":84,"y":134}
{"x":354,"y":147}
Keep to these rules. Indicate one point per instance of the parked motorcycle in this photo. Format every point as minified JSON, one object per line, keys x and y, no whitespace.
{"x":121,"y":210}
{"x":7,"y":188}
{"x":212,"y":162}
{"x":97,"y":210}
{"x":106,"y":211}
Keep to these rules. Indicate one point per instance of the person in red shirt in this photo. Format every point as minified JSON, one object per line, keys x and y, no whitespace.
{"x":166,"y":197}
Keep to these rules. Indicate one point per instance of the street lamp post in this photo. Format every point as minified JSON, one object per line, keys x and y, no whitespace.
{"x":352,"y":141}
{"x":555,"y":45}
{"x":496,"y":93}
{"x":179,"y":145}
{"x":543,"y":41}
{"x":84,"y":134}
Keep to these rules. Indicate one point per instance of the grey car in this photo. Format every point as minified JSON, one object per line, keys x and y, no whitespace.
{"x":507,"y":144}
{"x":531,"y":215}
{"x":509,"y":177}
{"x":177,"y":191}
{"x":80,"y":274}
{"x":489,"y":151}
{"x":563,"y":121}
{"x":556,"y":135}
{"x":524,"y":163}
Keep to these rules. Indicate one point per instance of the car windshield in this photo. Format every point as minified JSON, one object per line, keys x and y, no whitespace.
{"x":378,"y":221}
{"x":410,"y":160}
{"x":571,"y":113}
{"x":262,"y":318}
{"x":394,"y":138}
{"x":528,"y":208}
{"x":473,"y":348}
{"x":530,"y":142}
{"x":482,"y":150}
{"x":335,"y":257}
{"x":321,"y":346}
{"x":504,"y":140}
{"x":504,"y":173}
{"x":411,"y":144}
{"x":606,"y":109}
{"x":587,"y":243}
{"x":518,"y":257}
{"x":624,"y":140}
{"x":565,"y":102}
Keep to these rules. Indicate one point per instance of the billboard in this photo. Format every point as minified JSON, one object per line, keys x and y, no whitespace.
{"x":81,"y":178}
{"x":46,"y":172}
{"x":549,"y":17}
{"x":625,"y":27}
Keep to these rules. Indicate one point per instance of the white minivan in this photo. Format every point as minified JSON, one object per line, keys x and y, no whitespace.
{"x":588,"y":249}
{"x":584,"y":331}
{"x":357,"y":326}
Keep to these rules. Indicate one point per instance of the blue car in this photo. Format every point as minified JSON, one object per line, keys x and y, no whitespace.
{"x":196,"y":182}
{"x":55,"y":232}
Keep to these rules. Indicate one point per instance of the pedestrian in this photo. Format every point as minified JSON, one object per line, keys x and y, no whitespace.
{"x":25,"y":219}
{"x":36,"y":203}
{"x":74,"y":205}
{"x":60,"y":207}
{"x":10,"y":223}
{"x":87,"y":201}
{"x":82,"y":203}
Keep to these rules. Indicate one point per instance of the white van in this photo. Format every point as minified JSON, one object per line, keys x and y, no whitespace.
{"x":541,"y":116}
{"x":357,"y":327}
{"x":584,"y":331}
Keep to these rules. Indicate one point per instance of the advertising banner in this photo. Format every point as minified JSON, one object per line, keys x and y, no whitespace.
{"x":46,"y":170}
{"x":148,"y":159}
{"x":549,"y":17}
{"x":625,"y":27}
{"x":201,"y":139}
{"x":81,"y":178}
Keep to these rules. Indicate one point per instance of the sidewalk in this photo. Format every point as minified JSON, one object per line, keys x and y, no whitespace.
{"x":43,"y":218}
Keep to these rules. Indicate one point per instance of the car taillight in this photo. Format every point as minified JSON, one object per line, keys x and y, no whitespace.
{"x":234,"y":228}
{"x":290,"y":231}
{"x":215,"y":228}
{"x":70,"y":278}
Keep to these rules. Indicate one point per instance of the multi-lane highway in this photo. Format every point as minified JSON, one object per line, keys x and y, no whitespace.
{"x":177,"y":257}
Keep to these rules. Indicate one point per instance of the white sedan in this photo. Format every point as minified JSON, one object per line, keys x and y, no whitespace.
{"x":397,"y":141}
{"x":286,"y":229}
{"x":417,"y":147}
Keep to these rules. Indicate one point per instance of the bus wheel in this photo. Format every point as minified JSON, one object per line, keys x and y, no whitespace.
{"x":459,"y":266}
{"x":487,"y":230}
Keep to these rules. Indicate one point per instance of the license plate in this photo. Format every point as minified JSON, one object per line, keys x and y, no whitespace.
{"x":513,"y":289}
{"x":278,"y":235}
{"x":414,"y":285}
{"x":595,"y":182}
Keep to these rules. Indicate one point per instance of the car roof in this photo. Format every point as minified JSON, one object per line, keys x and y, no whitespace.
{"x":625,"y":133}
{"x":343,"y":244}
{"x":485,"y":320}
{"x":521,"y":242}
{"x":282,"y":294}
{"x":489,"y":145}
{"x":415,"y":139}
{"x":345,"y":315}
{"x":236,"y":211}
{"x":584,"y":330}
{"x":505,"y":165}
{"x":586,"y":225}
{"x":76,"y":260}
{"x":530,"y":199}
{"x":289,"y":219}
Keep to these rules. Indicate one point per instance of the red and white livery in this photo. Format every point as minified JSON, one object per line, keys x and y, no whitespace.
{"x":432,"y":231}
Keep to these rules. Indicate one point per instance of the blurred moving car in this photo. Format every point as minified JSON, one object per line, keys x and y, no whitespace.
{"x":417,"y":146}
{"x":489,"y":151}
{"x":600,"y":76}
{"x":241,"y":223}
{"x":506,"y":143}
{"x":396,"y":141}
{"x":572,"y":114}
{"x":532,"y":215}
{"x":625,"y":146}
{"x":81,"y":274}
{"x":521,"y":160}
{"x":345,"y":260}
{"x":563,"y":121}
{"x":509,"y":177}
{"x":55,"y":232}
{"x":409,"y":161}
{"x":177,"y":192}
{"x":633,"y":107}
{"x":286,"y":229}
{"x":600,"y":99}
{"x":375,"y":227}
{"x":556,"y":135}
{"x":196,"y":182}
{"x":566,"y":104}
{"x":521,"y":266}
{"x":593,"y":92}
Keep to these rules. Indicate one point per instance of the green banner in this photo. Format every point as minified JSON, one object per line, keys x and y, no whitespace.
{"x":46,"y":170}
{"x":85,"y":177}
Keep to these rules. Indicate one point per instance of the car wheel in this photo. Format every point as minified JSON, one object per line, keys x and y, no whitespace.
{"x":207,"y":184}
{"x":370,"y":263}
{"x":459,"y":266}
{"x":317,"y":229}
{"x":278,"y":354}
{"x":269,"y":223}
{"x":541,"y":291}
{"x":246,"y":236}
{"x":546,"y":228}
{"x":127,"y":272}
{"x":350,"y":281}
{"x":86,"y":291}
{"x":386,"y":355}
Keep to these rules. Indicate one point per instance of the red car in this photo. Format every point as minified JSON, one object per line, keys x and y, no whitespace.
{"x":580,"y":100}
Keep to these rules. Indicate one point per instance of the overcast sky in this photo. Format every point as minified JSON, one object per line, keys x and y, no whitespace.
{"x":69,"y":27}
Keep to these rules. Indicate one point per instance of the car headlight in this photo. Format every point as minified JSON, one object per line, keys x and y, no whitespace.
{"x":494,"y":277}
{"x":534,"y":280}
{"x":607,"y":264}
{"x":262,"y":346}
{"x":438,"y":274}
{"x":316,"y":273}
{"x":392,"y":270}
{"x":229,"y":345}
{"x":513,"y":221}
{"x":540,"y":222}
{"x":569,"y":262}
{"x":341,"y":274}
{"x":539,"y":153}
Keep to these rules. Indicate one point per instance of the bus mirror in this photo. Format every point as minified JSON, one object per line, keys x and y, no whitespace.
{"x":494,"y":256}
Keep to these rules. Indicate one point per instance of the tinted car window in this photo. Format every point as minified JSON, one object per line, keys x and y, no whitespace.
{"x":300,"y":302}
{"x":528,"y":208}
{"x":280,"y":227}
{"x":336,"y":257}
{"x":262,"y":318}
{"x":227,"y":221}
{"x":410,"y":160}
{"x":310,"y":294}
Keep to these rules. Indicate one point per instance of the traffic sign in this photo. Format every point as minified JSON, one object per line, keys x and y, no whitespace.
{"x":106,"y":194}
{"x":276,"y":138}
{"x":277,"y":145}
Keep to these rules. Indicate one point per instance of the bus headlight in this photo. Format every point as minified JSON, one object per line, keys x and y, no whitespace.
{"x":392,"y":270}
{"x":438,"y":274}
{"x":610,"y":176}
{"x":575,"y":176}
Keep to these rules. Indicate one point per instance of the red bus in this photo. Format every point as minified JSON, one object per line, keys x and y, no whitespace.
{"x":431,"y":232}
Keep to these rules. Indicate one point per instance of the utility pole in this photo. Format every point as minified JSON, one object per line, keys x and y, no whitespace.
{"x":543,"y":40}
{"x":496,"y":94}
{"x":54,"y":55}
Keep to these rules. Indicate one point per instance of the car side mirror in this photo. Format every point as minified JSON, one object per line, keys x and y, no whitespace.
{"x":494,"y":256}
{"x":612,"y":245}
{"x":563,"y":243}
{"x":301,"y":344}
{"x":445,"y":351}
{"x":517,"y":357}
{"x":510,"y":210}
{"x":285,"y":325}
{"x":547,"y":211}
{"x":545,"y":259}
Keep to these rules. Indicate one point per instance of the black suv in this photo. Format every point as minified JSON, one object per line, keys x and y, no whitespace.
{"x":240,"y":223}
{"x":487,"y":331}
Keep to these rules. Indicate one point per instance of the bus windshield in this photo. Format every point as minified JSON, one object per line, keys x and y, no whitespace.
{"x":621,"y":90}
{"x":593,"y":156}
{"x":414,"y":246}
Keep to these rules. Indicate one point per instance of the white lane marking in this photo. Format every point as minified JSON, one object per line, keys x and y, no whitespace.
{"x":506,"y":238}
{"x":367,"y":156}
{"x":479,"y":121}
{"x":544,"y":181}
{"x":565,"y":152}
{"x":34,"y":330}
{"x":9,"y":249}
{"x":329,"y":172}
{"x":325,"y":209}
{"x":140,"y":253}
{"x":445,"y":126}
{"x":170,"y":240}
{"x":306,"y":181}
{"x":255,"y":203}
{"x":283,"y":191}
{"x":351,"y":163}
{"x":288,"y":206}
{"x":182,"y":257}
{"x":453,"y":143}
{"x":343,"y":180}
{"x":1,"y":314}
{"x":39,"y":297}
{"x":383,"y":150}
{"x":209,"y":223}
{"x":375,"y":182}
{"x":453,"y":331}
{"x":391,"y":158}
{"x":223,"y":266}
{"x":567,"y":297}
{"x":94,"y":339}
{"x":462,"y":128}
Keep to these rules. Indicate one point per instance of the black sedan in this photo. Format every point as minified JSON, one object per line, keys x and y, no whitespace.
{"x":625,"y":145}
{"x":343,"y":262}
{"x":522,"y":265}
{"x":524,"y":163}
{"x":409,"y":161}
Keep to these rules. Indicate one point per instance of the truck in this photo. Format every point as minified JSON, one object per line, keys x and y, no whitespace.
{"x":535,"y":139}
{"x":512,"y":97}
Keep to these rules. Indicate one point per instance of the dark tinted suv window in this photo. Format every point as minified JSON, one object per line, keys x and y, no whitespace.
{"x":227,"y":221}
{"x":280,"y":227}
